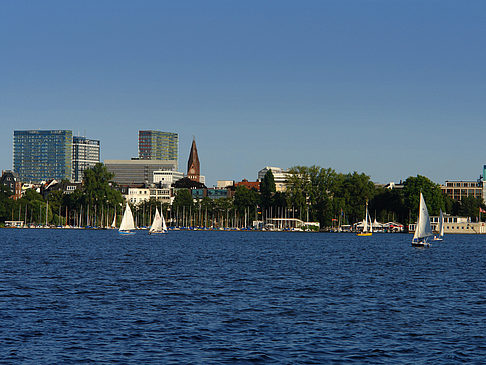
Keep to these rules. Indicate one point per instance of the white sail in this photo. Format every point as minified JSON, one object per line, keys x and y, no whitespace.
{"x":113,"y":224}
{"x":369,"y":217}
{"x":423,"y":229}
{"x":164,"y":226}
{"x":157,"y":222}
{"x":127,"y":220}
{"x":441,"y":224}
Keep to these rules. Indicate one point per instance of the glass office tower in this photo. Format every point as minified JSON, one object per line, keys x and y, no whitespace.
{"x":157,"y":145}
{"x":86,"y":154}
{"x":43,"y":155}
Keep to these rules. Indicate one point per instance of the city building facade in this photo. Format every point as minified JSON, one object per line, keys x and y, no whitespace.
{"x":158,"y":145}
{"x":86,"y":154}
{"x":138,"y":171}
{"x":41,"y":155}
{"x":280,"y":177}
{"x":462,"y":189}
{"x":167,"y":178}
{"x":12,"y":181}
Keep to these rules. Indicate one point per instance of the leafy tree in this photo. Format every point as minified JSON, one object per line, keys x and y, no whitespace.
{"x":267,"y":189}
{"x":183,"y":199}
{"x":354,"y":190}
{"x":5,"y":203}
{"x":245,"y":199}
{"x":469,"y":207}
{"x":434,"y":198}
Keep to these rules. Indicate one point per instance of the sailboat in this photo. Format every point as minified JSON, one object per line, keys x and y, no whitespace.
{"x":367,"y":225}
{"x":158,"y":224}
{"x":441,"y":228}
{"x":127,"y":223}
{"x":113,"y":224}
{"x":423,"y":230}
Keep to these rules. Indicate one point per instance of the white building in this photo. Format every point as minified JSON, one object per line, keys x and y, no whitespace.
{"x":86,"y":154}
{"x":279,"y":175}
{"x":223,"y":184}
{"x":139,"y":195}
{"x":167,"y":178}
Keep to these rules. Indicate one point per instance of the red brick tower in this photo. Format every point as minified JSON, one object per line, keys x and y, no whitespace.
{"x":193,"y":167}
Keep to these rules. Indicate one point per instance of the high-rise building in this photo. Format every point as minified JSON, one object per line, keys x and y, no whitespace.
{"x":157,"y":145}
{"x":193,"y":166}
{"x":43,"y":155}
{"x":86,"y":154}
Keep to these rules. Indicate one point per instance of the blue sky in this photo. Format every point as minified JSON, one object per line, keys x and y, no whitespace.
{"x":389,"y":88}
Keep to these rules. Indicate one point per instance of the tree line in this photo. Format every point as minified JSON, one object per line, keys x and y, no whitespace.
{"x":312,"y":194}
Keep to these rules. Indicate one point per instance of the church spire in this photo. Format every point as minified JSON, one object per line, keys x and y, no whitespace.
{"x":193,"y":167}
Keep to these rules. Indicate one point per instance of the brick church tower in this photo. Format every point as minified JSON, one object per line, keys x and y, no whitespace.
{"x":193,"y":167}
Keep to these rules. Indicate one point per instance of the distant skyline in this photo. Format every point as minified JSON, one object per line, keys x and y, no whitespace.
{"x":389,"y":88}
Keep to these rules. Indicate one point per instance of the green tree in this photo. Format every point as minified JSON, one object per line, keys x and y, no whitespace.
{"x":6,"y":204}
{"x":245,"y":200}
{"x":267,"y":189}
{"x":183,"y":199}
{"x":469,"y":207}
{"x":434,"y":198}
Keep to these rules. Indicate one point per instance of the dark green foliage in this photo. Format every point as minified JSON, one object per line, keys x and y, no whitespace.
{"x":183,"y":199}
{"x":434,"y":198}
{"x":267,"y":189}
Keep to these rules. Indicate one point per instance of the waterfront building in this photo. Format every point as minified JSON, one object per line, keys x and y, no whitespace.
{"x":222,"y":184}
{"x":158,"y":145}
{"x":193,"y":165}
{"x":138,"y":171}
{"x":280,"y":177}
{"x":255,"y":185}
{"x":462,"y":189}
{"x":137,"y":195}
{"x":11,"y":180}
{"x":167,"y":178}
{"x":454,"y":224}
{"x":41,"y":155}
{"x":86,"y":154}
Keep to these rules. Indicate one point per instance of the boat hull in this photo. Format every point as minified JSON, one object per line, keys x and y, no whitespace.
{"x":126,"y":233}
{"x":364,"y":234}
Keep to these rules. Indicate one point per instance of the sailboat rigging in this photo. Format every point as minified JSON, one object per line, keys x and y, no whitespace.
{"x":158,"y":224}
{"x":367,"y":225}
{"x":127,"y":223}
{"x":440,"y":237}
{"x":423,"y":230}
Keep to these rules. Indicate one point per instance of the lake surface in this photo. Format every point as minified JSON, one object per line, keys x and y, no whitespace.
{"x":69,"y":296}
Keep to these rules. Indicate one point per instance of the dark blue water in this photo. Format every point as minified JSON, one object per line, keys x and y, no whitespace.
{"x":225,"y":297}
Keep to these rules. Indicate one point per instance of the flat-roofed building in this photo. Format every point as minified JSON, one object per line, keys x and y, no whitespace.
{"x":158,"y":145}
{"x":138,"y":171}
{"x":462,"y":189}
{"x":41,"y":155}
{"x":167,"y":178}
{"x":86,"y":154}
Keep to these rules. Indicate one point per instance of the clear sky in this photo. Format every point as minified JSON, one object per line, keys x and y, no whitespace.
{"x":390,"y":88}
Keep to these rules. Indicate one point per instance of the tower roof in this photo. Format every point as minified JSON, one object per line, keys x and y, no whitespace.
{"x":193,"y":162}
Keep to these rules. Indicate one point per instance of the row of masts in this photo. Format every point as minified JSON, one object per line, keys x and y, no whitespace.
{"x":106,"y":217}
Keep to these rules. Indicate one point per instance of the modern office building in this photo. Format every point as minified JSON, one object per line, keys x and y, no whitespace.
{"x":41,"y":155}
{"x":462,"y":189}
{"x":138,"y":171}
{"x":157,"y":145}
{"x":86,"y":154}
